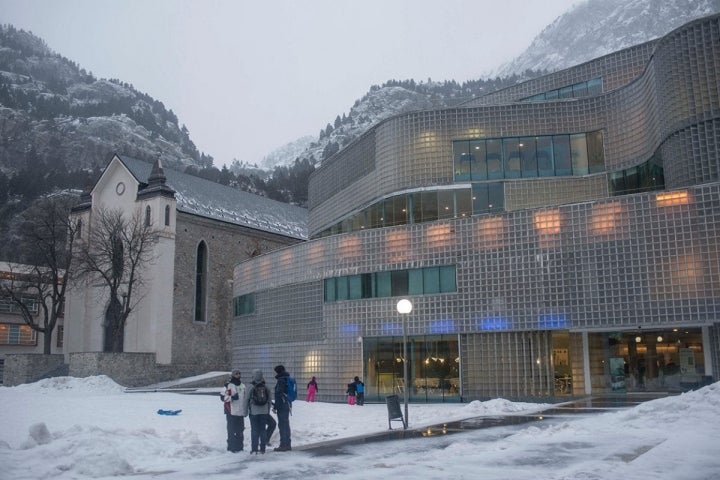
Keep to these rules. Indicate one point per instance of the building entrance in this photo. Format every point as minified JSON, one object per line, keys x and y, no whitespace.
{"x":655,"y":360}
{"x":433,"y":368}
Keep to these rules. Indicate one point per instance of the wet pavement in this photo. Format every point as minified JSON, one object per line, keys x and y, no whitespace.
{"x":557,"y":412}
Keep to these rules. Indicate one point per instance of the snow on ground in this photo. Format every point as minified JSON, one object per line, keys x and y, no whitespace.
{"x":71,"y":428}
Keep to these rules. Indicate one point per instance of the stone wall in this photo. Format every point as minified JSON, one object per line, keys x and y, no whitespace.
{"x":30,"y":367}
{"x":127,"y":369}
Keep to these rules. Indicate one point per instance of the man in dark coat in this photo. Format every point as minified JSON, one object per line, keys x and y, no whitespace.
{"x":282,"y":407}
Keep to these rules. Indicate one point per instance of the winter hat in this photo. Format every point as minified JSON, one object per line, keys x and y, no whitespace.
{"x":235,"y":372}
{"x":279,"y":369}
{"x":257,"y":376}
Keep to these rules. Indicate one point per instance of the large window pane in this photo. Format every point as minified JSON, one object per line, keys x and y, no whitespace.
{"x":480,"y":197}
{"x":330,"y":290}
{"x":461,"y":154}
{"x":415,"y":281}
{"x":396,"y":210}
{"x":446,"y":204}
{"x":578,"y":148}
{"x":494,"y":158}
{"x":429,"y":206}
{"x":375,"y":215}
{"x":399,"y":279}
{"x":342,"y":288}
{"x":431,"y":280}
{"x":447,"y":279}
{"x":463,"y":203}
{"x":561,"y":150}
{"x":617,"y":183}
{"x":544,"y":155}
{"x":478,"y":169}
{"x":566,"y":92}
{"x":496,"y":197}
{"x":580,"y":90}
{"x":596,"y":159}
{"x":527,"y":157}
{"x":354,"y":287}
{"x":512,"y":158}
{"x":384,"y":284}
{"x":595,"y":86}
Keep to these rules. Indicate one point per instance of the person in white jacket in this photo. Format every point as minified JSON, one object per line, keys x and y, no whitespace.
{"x":233,"y":397}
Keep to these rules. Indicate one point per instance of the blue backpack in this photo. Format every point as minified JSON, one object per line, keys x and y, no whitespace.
{"x":291,"y":389}
{"x":360,"y":387}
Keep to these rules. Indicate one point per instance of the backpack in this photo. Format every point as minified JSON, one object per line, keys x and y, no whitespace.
{"x":291,"y":389}
{"x":360,"y":387}
{"x":259,"y":394}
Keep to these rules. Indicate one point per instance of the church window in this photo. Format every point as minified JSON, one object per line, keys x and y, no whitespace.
{"x":201,"y":269}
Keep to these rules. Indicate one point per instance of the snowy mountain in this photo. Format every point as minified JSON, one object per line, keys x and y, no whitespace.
{"x":595,"y":28}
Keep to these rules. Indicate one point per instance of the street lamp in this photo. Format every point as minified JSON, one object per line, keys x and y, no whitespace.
{"x":404,"y":307}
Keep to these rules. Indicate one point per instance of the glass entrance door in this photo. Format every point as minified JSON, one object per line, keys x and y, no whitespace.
{"x":433,"y":368}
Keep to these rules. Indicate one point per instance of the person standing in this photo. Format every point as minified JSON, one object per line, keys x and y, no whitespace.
{"x":359,"y":392}
{"x":282,"y":408}
{"x":233,"y":397}
{"x":259,"y":409}
{"x":312,"y":389}
{"x":350,"y":392}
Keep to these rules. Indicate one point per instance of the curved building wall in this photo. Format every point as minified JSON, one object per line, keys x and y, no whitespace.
{"x":415,"y":150}
{"x":563,"y":260}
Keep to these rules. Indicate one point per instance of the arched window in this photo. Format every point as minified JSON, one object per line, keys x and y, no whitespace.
{"x":147,"y":216}
{"x":201,"y":269}
{"x":167,"y":215}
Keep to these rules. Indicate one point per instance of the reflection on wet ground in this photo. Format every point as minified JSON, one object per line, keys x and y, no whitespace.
{"x":577,"y":407}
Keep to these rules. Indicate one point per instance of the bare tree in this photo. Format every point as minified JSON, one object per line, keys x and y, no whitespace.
{"x":114,"y":254}
{"x":37,"y":286}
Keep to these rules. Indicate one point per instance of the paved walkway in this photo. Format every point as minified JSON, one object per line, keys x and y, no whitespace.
{"x":583,"y":406}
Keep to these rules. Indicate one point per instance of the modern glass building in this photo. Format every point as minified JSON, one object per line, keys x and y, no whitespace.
{"x":559,"y":237}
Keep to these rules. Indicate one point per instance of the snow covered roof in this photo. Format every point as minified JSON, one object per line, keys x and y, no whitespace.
{"x":202,"y":197}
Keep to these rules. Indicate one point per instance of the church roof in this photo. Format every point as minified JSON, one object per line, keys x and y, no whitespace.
{"x":208,"y":199}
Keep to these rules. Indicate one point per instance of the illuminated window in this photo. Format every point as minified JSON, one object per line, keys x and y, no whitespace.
{"x":547,"y":222}
{"x":670,"y":199}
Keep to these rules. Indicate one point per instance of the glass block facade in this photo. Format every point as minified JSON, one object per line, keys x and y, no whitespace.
{"x":602,"y":281}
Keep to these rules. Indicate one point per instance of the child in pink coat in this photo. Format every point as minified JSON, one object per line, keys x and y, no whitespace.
{"x":312,"y":389}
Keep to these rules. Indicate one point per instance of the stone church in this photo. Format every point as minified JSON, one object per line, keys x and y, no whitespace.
{"x":181,"y":325}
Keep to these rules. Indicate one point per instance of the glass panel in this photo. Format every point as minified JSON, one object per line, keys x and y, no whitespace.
{"x":399,"y":280}
{"x":354,"y":287}
{"x":480,"y":197}
{"x":596,"y":160}
{"x":552,"y":95}
{"x":561,"y":157}
{"x":342,"y":288}
{"x":578,"y":148}
{"x":566,"y":92}
{"x":494,"y":158}
{"x":617,"y":183}
{"x":632,"y":180}
{"x":479,"y":165}
{"x":396,"y":210}
{"x":595,"y":86}
{"x":463,"y":203}
{"x":375,"y":216}
{"x":527,"y":157}
{"x":330,"y":290}
{"x":431,"y":279}
{"x":512,"y":158}
{"x":415,"y":279}
{"x":446,"y":204}
{"x":447,"y":279}
{"x":580,"y":90}
{"x":384,"y":284}
{"x":544,"y":155}
{"x":429,"y":206}
{"x":496,"y":196}
{"x":461,"y":154}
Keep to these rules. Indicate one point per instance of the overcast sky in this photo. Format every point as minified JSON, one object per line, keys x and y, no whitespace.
{"x":246,"y":77}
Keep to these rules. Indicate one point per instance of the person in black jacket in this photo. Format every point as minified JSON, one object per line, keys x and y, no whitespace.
{"x":282,"y":408}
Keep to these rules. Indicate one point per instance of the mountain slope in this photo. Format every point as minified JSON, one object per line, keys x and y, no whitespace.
{"x":52,"y":111}
{"x":597,"y":27}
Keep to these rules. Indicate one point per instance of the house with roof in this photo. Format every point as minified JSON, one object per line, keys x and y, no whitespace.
{"x":181,"y":323}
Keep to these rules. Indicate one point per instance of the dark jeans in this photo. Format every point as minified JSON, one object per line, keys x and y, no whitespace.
{"x":260,"y":431}
{"x":360,"y":400}
{"x":271,"y":425}
{"x":235,"y":427}
{"x":283,"y":421}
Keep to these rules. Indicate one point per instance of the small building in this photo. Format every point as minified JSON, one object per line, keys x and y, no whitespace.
{"x":181,"y":325}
